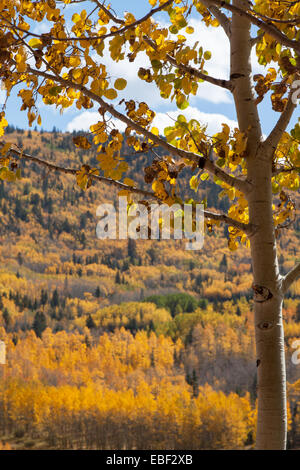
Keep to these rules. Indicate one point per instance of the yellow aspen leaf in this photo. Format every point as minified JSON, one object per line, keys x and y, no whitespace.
{"x":155,"y":131}
{"x":7,"y":175}
{"x":204,"y":176}
{"x":72,"y":93}
{"x":76,"y":18}
{"x":74,"y":61}
{"x":35,"y":43}
{"x":159,"y":189}
{"x":100,"y":138}
{"x":83,"y":15}
{"x":3,"y":123}
{"x":189,"y":30}
{"x":97,"y":128}
{"x":110,"y":94}
{"x":123,"y":192}
{"x":215,"y":23}
{"x":77,"y":74}
{"x":123,"y":166}
{"x":194,"y":183}
{"x":5,"y":148}
{"x":31,"y":117}
{"x":82,"y":180}
{"x":82,"y":142}
{"x":128,"y":182}
{"x":181,"y":102}
{"x":232,"y":244}
{"x":120,"y":84}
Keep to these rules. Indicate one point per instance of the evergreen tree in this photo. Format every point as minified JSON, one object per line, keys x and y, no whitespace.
{"x":55,"y":299}
{"x":90,"y":322}
{"x":132,"y":252}
{"x":44,"y":297}
{"x":39,"y":323}
{"x":97,"y":292}
{"x":118,"y":278}
{"x":224,"y":264}
{"x":6,"y":318}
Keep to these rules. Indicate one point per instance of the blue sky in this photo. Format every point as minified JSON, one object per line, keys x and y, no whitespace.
{"x":211,"y":106}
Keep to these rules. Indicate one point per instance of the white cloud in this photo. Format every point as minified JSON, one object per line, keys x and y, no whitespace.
{"x":212,"y":120}
{"x":162,"y":120}
{"x":83,"y":121}
{"x":42,"y":28}
{"x":213,"y":39}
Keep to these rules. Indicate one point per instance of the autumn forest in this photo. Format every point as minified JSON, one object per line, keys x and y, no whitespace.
{"x":106,"y":339}
{"x":126,"y":343}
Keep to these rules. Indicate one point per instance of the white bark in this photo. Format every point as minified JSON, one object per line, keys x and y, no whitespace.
{"x":291,"y":277}
{"x":268,"y":297}
{"x":271,"y":386}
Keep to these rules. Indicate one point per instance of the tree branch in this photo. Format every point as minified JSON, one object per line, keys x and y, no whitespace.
{"x":89,"y":38}
{"x":255,"y":40}
{"x":274,"y":137}
{"x":241,"y":185}
{"x":187,"y":69}
{"x":279,"y":170}
{"x":246,"y":228}
{"x":223,"y":20}
{"x":74,"y":172}
{"x":267,"y":27}
{"x":241,"y":74}
{"x":290,"y":277}
{"x":277,"y":20}
{"x":109,"y":13}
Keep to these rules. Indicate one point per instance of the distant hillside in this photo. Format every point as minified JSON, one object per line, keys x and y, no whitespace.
{"x":122,"y":314}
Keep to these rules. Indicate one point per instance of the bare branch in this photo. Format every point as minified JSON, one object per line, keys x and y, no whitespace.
{"x":187,"y":69}
{"x":282,"y":123}
{"x":239,"y":184}
{"x":290,"y":277}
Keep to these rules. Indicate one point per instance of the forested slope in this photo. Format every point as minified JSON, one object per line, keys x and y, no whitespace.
{"x":142,"y":330}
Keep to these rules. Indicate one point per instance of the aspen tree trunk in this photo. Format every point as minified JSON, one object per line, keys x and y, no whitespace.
{"x":268,"y":298}
{"x":271,"y":386}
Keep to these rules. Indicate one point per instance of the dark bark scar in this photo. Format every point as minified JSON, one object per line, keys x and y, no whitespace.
{"x":261,"y":293}
{"x":265,"y":325}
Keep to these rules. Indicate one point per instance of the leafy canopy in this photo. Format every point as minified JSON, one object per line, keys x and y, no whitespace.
{"x":65,"y":66}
